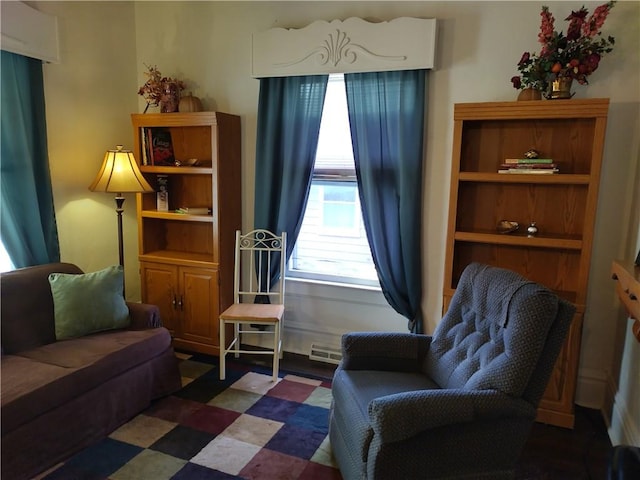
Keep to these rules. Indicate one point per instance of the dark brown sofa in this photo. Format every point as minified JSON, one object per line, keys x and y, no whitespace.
{"x":58,"y":397}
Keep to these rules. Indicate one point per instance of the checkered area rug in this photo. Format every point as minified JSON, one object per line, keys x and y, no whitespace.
{"x":246,"y":427}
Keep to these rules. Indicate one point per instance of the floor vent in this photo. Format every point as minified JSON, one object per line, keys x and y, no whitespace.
{"x":325,"y":354}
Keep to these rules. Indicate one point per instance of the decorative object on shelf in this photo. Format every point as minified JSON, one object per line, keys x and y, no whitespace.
{"x":120,"y":174}
{"x":532,"y":230}
{"x":560,"y":88}
{"x":162,"y":197}
{"x":170,"y":98}
{"x":506,"y":226}
{"x":189,"y":103}
{"x":529,"y":93}
{"x":189,"y":162}
{"x":161,"y":91}
{"x":573,"y":56}
{"x":532,"y":153}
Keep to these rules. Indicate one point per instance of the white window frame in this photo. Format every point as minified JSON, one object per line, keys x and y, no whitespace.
{"x":332,"y":174}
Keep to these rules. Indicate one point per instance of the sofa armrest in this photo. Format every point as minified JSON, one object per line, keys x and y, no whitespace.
{"x":403,"y":415}
{"x":143,"y":315}
{"x":384,"y":351}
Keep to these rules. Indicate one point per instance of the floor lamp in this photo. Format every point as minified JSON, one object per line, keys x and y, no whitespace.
{"x":120,"y":174}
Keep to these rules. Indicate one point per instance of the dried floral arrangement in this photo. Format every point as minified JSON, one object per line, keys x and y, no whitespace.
{"x":157,"y":87}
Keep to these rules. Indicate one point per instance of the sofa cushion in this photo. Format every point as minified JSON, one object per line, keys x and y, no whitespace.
{"x":26,"y":306}
{"x":88,"y":303}
{"x":38,"y":380}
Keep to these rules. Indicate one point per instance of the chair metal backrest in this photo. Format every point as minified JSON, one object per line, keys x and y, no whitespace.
{"x":261,"y":257}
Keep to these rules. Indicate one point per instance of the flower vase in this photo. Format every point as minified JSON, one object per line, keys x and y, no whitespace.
{"x":170,"y":98}
{"x":530,"y":94}
{"x":560,"y":88}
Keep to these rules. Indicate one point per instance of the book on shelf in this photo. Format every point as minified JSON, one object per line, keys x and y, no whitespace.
{"x":527,"y":160}
{"x":160,"y":146}
{"x":194,"y":210}
{"x":525,"y":166}
{"x":539,"y":171}
{"x":145,"y":146}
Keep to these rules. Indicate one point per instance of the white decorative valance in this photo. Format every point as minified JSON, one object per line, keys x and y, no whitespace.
{"x":29,"y":32}
{"x":352,"y":45}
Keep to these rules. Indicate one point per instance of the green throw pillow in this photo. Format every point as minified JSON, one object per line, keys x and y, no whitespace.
{"x":89,"y":302}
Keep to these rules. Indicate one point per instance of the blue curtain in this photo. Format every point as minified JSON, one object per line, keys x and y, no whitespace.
{"x":289,"y":114}
{"x":386,"y":116}
{"x":27,"y":221}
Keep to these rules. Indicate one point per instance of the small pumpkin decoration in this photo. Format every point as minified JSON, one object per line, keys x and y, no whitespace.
{"x":189,"y":103}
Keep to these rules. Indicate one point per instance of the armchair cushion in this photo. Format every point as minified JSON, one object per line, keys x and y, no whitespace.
{"x":493,"y":333}
{"x":401,"y":416}
{"x":88,"y":303}
{"x":384,"y":351}
{"x":354,"y":390}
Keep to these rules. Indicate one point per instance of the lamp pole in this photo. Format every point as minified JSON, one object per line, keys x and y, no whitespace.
{"x":119,"y":210}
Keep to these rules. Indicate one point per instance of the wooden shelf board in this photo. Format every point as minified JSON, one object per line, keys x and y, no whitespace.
{"x":169,"y":170}
{"x":177,"y":119}
{"x":531,"y":110}
{"x":554,"y":179}
{"x":180,"y":217}
{"x":178,"y":258}
{"x":519,"y":240}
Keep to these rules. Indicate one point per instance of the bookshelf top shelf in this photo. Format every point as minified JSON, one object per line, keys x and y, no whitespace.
{"x":176,"y":119}
{"x":534,"y":109}
{"x":176,"y":170}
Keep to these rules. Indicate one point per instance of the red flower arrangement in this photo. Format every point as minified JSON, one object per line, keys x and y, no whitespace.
{"x":575,"y":55}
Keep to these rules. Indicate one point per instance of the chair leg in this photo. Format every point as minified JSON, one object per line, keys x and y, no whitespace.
{"x":236,"y":335}
{"x":276,"y":351}
{"x":223,"y":350}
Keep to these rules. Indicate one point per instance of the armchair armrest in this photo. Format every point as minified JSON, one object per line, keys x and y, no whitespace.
{"x":384,"y":351}
{"x":403,"y":415}
{"x":143,"y":315}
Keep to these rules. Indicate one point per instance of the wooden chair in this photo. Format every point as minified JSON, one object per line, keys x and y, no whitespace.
{"x":259,"y":300}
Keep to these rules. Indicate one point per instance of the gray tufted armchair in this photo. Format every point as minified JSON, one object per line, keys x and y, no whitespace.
{"x":458,"y":404}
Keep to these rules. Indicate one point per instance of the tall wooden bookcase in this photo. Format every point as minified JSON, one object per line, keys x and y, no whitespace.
{"x":186,"y":260}
{"x":563,"y":206}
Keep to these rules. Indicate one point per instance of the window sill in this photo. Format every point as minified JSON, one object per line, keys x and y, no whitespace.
{"x":355,"y":286}
{"x":335,"y":291}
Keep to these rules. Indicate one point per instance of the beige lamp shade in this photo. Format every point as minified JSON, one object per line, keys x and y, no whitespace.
{"x":120,"y":174}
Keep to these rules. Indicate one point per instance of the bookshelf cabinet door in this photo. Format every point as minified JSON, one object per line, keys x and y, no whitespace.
{"x":199,"y":304}
{"x":160,"y":287}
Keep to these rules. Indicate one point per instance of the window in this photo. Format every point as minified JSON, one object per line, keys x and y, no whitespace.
{"x":5,"y":262}
{"x":332,"y":244}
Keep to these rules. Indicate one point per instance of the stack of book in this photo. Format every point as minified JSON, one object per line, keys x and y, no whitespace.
{"x":528,"y":165}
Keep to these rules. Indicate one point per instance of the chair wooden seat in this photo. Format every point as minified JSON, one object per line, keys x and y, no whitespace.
{"x":254,"y":312}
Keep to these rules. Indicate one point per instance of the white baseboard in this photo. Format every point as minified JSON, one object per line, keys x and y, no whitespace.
{"x":591,"y":388}
{"x":622,"y":428}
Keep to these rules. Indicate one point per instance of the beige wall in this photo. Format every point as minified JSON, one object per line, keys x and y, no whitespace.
{"x":89,"y":96}
{"x":105,"y":46}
